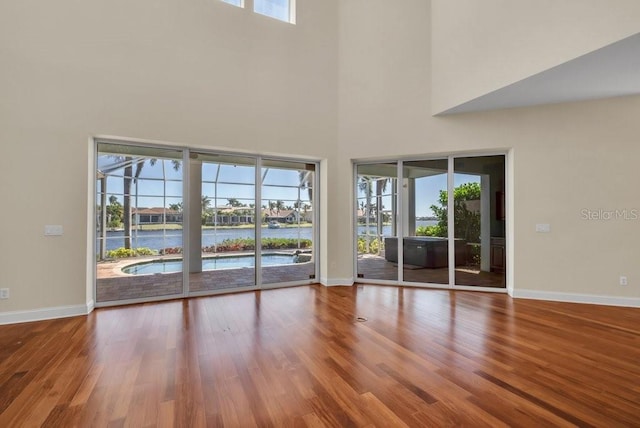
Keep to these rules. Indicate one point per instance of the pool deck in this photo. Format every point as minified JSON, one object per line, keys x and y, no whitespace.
{"x":376,"y":267}
{"x":115,"y":285}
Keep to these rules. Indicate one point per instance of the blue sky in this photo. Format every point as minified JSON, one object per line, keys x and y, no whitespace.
{"x":234,"y":181}
{"x":427,"y":192}
{"x":237,"y":181}
{"x":278,"y":9}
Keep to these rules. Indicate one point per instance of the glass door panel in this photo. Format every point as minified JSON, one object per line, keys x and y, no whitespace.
{"x":139,"y":222}
{"x":377,"y":216}
{"x":479,"y":221}
{"x":425,"y":243}
{"x":222,"y":223}
{"x":288,"y":228}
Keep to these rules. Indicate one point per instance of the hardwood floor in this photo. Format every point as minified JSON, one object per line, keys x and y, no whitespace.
{"x":299,"y":357}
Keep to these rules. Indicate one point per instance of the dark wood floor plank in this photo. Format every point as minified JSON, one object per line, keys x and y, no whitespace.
{"x":299,"y":357}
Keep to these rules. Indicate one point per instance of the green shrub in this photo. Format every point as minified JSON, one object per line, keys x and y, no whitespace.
{"x":121,"y":253}
{"x":376,"y":245}
{"x":249,"y":244}
{"x":281,"y":243}
{"x":435,"y":230}
{"x":144,"y":251}
{"x":239,"y":244}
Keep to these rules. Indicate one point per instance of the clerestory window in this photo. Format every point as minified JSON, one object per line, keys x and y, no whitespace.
{"x":239,"y":3}
{"x":283,"y":10}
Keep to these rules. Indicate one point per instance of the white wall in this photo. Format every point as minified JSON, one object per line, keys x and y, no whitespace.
{"x":351,"y":80}
{"x":566,"y":157}
{"x":481,"y":46}
{"x":198,"y":73}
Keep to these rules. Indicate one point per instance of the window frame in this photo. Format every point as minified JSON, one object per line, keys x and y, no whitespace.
{"x":251,"y":5}
{"x":127,"y":145}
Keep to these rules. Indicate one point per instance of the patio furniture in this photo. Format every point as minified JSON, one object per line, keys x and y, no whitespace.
{"x":426,"y":251}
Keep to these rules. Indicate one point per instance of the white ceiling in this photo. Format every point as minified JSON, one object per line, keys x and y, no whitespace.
{"x":611,"y":71}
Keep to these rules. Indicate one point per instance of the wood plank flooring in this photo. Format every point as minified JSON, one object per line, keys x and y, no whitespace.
{"x":298,"y":357}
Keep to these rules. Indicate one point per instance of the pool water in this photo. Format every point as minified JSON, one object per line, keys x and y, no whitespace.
{"x":211,"y":263}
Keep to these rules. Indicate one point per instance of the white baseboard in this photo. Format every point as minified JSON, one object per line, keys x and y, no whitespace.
{"x":332,"y":282}
{"x":45,"y":313}
{"x":593,"y":299}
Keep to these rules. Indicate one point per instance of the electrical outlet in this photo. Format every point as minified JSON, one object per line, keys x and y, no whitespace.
{"x":53,"y":230}
{"x":623,"y":280}
{"x":543,"y":228}
{"x":4,"y":293}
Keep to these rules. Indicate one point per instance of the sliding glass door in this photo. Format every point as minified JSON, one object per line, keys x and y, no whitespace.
{"x":138,"y":223}
{"x":449,"y":214}
{"x":377,"y":221}
{"x":479,"y":220}
{"x":172,"y":222}
{"x":287,"y":221}
{"x":223,"y":227}
{"x":425,"y":241}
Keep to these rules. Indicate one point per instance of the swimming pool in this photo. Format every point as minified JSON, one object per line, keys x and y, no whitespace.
{"x":209,"y":263}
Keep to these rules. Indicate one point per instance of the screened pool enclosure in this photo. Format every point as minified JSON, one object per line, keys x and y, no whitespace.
{"x":195,"y":211}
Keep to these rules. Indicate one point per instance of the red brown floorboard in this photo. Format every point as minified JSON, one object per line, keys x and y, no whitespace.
{"x":299,"y":357}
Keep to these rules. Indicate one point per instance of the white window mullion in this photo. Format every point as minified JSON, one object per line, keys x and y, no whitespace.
{"x":292,"y":11}
{"x":258,"y":220}
{"x":186,"y":224}
{"x":400,"y":186}
{"x":451,"y":222}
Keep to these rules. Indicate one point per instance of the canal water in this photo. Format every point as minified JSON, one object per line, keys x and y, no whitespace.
{"x":159,"y":239}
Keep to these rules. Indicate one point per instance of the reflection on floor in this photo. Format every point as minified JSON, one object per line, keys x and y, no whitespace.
{"x":377,"y":267}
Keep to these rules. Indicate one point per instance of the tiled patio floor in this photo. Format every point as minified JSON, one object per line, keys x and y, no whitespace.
{"x":114,"y":285}
{"x":376,"y":267}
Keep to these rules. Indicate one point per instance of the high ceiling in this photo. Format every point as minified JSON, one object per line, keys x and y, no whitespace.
{"x":611,"y":71}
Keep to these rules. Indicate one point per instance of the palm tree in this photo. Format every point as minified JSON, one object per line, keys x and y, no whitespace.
{"x":381,"y":186}
{"x":234,"y":202}
{"x":126,"y":221}
{"x":205,"y":203}
{"x":128,"y":180}
{"x":114,"y":212}
{"x":365,"y":186}
{"x":305,"y":209}
{"x":176,"y":207}
{"x":127,"y":163}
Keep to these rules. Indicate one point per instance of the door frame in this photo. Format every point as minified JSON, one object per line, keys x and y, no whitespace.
{"x":92,"y":282}
{"x":450,"y":157}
